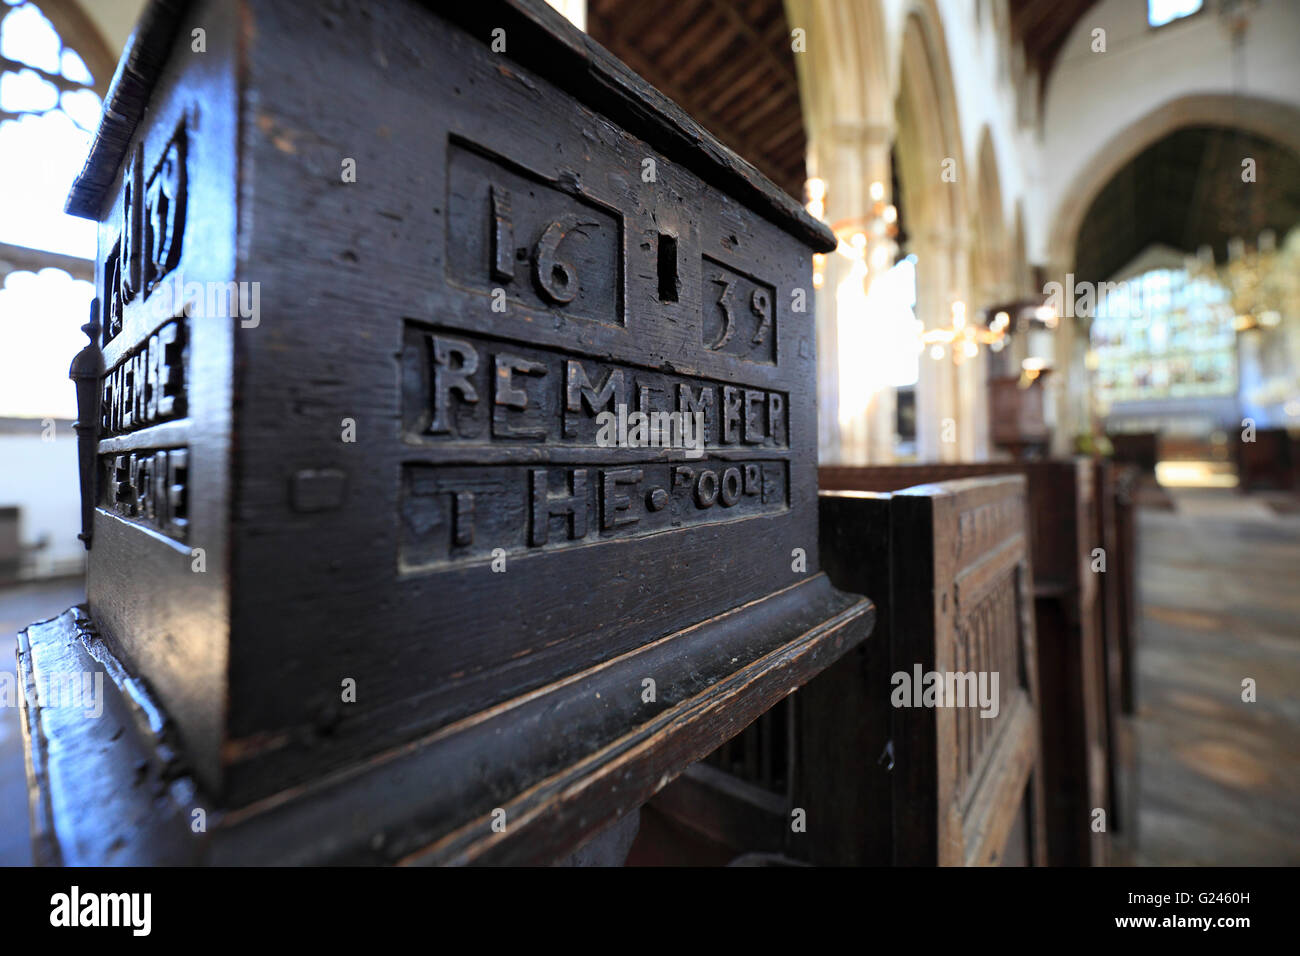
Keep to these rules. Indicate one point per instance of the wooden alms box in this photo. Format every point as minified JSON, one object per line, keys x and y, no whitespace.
{"x":381,"y":551}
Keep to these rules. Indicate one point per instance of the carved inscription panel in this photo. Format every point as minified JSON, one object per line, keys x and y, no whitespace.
{"x":513,"y":447}
{"x":540,"y":448}
{"x":465,"y":387}
{"x":153,"y":226}
{"x":467,"y":513}
{"x":541,"y":243}
{"x":148,"y":385}
{"x":739,"y":314}
{"x":149,"y":487}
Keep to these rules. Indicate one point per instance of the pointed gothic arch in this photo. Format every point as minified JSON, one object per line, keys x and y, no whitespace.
{"x":991,"y":256}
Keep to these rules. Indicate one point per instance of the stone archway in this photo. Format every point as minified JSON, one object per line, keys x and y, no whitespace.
{"x":865,"y":88}
{"x":1270,"y":118}
{"x":1273,"y":119}
{"x":932,"y":177}
{"x":991,"y":263}
{"x":848,"y":119}
{"x":991,"y":282}
{"x":1022,"y":277}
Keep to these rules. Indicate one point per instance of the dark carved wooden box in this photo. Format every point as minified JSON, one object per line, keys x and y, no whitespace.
{"x":376,"y":580}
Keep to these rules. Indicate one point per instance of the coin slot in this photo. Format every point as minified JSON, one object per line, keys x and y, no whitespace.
{"x":667,"y":267}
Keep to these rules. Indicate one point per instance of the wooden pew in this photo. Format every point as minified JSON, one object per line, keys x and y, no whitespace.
{"x":1070,"y":642}
{"x":1114,"y":536}
{"x":1268,"y":463}
{"x":870,"y":783}
{"x":956,"y":596}
{"x":1137,"y":448}
{"x":1127,"y":480}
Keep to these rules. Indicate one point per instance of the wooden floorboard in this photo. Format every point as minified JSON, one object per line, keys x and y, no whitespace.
{"x":1219,"y":778}
{"x":21,"y":605}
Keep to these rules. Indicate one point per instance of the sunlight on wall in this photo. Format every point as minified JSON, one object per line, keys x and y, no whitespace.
{"x":48,"y":113}
{"x":855,"y":350}
{"x":897,"y":331}
{"x":43,"y":313}
{"x":1160,"y":12}
{"x":879,"y":334}
{"x":44,"y":137}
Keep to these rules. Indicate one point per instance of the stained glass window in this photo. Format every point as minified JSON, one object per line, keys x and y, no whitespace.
{"x":1162,"y":335}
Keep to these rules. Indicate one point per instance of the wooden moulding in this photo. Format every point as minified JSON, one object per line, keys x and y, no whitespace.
{"x":128,"y":93}
{"x":105,"y":791}
{"x":547,"y":43}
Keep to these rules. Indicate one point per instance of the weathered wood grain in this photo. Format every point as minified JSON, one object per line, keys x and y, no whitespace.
{"x":355,"y":524}
{"x":874,"y":783}
{"x":433,"y":800}
{"x":1070,"y":646}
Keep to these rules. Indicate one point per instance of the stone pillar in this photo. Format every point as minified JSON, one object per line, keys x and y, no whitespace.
{"x":1068,"y":383}
{"x":854,"y":429}
{"x":969,"y":406}
{"x":938,"y":419}
{"x":848,"y":116}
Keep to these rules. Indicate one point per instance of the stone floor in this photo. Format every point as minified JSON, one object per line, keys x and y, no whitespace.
{"x":18,"y":608}
{"x":1219,"y":779}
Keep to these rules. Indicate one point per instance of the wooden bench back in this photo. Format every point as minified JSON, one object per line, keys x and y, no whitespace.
{"x":845,"y":777}
{"x":1114,"y":532}
{"x":1269,"y":462}
{"x":1068,"y":623}
{"x":957,"y":595}
{"x":1126,"y":490}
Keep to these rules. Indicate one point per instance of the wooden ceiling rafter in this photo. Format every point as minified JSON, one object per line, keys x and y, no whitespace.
{"x":760,"y":43}
{"x":748,"y":95}
{"x":726,"y":62}
{"x":1041,"y":28}
{"x":706,"y":118}
{"x":696,"y":47}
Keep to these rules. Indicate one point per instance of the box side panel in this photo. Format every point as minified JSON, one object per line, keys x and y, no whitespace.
{"x":157,"y":580}
{"x":459,"y":266}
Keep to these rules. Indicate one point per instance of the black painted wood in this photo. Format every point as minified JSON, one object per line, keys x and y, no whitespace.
{"x":366,"y":283}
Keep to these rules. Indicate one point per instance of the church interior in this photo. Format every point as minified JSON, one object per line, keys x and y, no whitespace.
{"x":1035,"y":420}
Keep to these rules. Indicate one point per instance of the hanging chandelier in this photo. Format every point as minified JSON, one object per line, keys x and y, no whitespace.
{"x":1257,"y":288}
{"x":962,"y":339}
{"x":869,"y":242}
{"x":875,"y":231}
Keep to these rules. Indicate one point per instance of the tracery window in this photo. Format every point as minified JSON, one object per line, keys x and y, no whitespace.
{"x":1164,"y":334}
{"x":49,"y":109}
